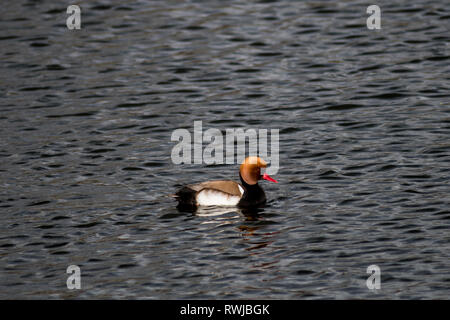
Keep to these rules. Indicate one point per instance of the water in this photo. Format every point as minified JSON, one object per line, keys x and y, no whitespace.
{"x":87,"y":116}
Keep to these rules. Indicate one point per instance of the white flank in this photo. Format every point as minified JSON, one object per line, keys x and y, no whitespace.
{"x":209,"y":197}
{"x":241,"y":189}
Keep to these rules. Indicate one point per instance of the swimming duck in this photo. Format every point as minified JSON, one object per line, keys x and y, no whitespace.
{"x":227,"y":192}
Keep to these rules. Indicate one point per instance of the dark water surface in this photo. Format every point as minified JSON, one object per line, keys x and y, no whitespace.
{"x":86,"y":122}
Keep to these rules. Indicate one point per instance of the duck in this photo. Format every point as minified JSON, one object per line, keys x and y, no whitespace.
{"x":246,"y":194}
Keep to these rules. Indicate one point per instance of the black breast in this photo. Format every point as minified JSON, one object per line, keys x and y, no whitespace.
{"x":254,"y":196}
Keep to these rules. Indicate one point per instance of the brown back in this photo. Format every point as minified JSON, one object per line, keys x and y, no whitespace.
{"x":226,"y":186}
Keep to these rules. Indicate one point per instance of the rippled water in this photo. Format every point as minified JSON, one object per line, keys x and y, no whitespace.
{"x":86,"y":122}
